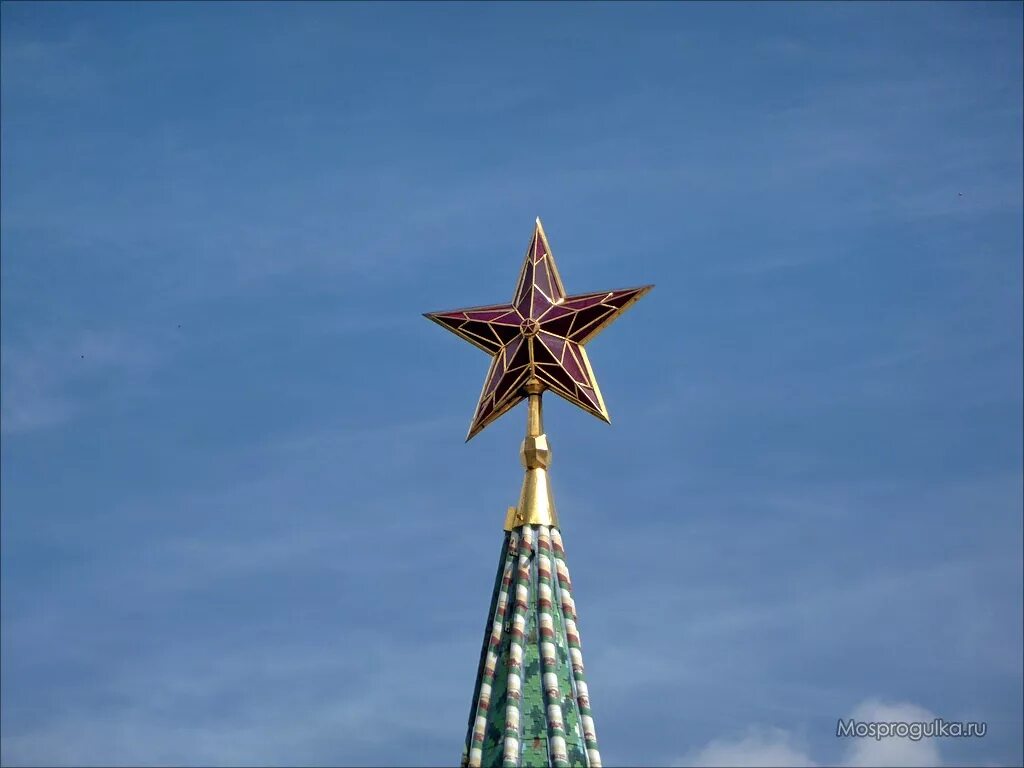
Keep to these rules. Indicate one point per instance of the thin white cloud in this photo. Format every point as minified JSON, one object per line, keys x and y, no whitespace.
{"x":757,"y":747}
{"x":328,"y":697}
{"x":40,"y":382}
{"x":289,"y":705}
{"x":55,"y":68}
{"x":29,"y":400}
{"x":891,"y":750}
{"x":760,"y":746}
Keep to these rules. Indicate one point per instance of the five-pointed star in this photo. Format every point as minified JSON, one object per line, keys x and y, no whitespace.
{"x":541,"y":333}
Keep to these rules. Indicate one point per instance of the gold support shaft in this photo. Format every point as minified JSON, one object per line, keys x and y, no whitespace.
{"x":536,"y":504}
{"x":534,"y":415}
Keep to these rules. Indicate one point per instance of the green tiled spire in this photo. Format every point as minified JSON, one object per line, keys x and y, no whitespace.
{"x":531,"y":706}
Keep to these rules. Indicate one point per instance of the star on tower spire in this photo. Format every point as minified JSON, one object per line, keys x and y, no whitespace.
{"x":531,"y":705}
{"x":540,"y":334}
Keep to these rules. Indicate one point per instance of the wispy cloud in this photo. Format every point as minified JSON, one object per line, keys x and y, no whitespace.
{"x":43,"y":379}
{"x":349,"y":697}
{"x":49,"y":68}
{"x":761,"y":746}
{"x":352,"y":692}
{"x":756,"y":747}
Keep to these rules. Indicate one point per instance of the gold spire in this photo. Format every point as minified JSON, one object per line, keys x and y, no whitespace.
{"x":536,"y":504}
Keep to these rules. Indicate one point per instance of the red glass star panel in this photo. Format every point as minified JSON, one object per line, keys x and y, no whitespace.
{"x":539,"y":334}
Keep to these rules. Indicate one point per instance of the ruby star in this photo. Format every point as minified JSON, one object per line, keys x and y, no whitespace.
{"x":540,"y":334}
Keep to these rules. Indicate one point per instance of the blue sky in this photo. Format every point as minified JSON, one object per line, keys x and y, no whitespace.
{"x":240,"y":525}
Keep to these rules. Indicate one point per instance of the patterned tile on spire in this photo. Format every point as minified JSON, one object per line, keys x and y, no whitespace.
{"x":531,"y":707}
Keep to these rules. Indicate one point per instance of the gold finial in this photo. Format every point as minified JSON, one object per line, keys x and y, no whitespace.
{"x":536,"y":504}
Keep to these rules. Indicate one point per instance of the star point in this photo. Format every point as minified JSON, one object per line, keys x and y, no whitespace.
{"x":540,"y":334}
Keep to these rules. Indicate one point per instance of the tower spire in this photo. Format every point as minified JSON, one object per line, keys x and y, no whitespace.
{"x":531,"y":705}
